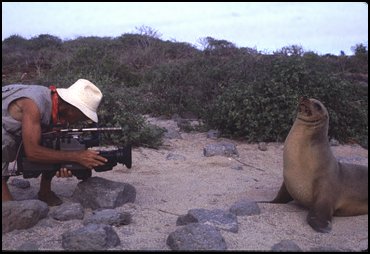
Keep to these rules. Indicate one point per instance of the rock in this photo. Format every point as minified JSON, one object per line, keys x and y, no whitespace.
{"x":97,"y":192}
{"x":185,"y":219}
{"x":90,"y":237}
{"x":196,"y":236}
{"x":213,"y":134}
{"x":334,"y":142}
{"x":217,"y":218}
{"x":68,"y":211}
{"x":237,"y":167}
{"x":22,"y":214}
{"x":172,"y":134}
{"x":28,"y":246}
{"x":184,"y":125}
{"x":222,"y":148}
{"x":245,"y":207}
{"x":286,"y":245}
{"x":20,"y":183}
{"x":109,"y":217}
{"x":262,"y":146}
{"x":175,"y":157}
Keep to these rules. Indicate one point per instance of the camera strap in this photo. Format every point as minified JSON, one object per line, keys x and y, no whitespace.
{"x":54,"y":102}
{"x":56,"y":123}
{"x":55,"y":108}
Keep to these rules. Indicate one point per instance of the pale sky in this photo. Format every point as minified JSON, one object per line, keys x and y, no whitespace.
{"x":316,"y":26}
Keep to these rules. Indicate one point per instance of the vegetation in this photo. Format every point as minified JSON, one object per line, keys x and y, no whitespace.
{"x":242,"y":92}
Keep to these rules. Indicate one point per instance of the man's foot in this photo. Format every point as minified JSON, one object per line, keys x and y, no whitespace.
{"x":51,"y":199}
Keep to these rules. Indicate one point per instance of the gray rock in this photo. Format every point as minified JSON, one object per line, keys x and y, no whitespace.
{"x":97,"y":192}
{"x":262,"y":146}
{"x":334,"y":142}
{"x":22,"y":214}
{"x":68,"y":211}
{"x":237,"y":167}
{"x":28,"y":246}
{"x":185,"y":219}
{"x":217,"y":218}
{"x":110,"y":217}
{"x":24,"y":193}
{"x":20,"y":183}
{"x":90,"y":237}
{"x":172,"y":134}
{"x":48,"y":222}
{"x":245,"y":207}
{"x":175,"y":157}
{"x":222,"y":148}
{"x":184,"y":125}
{"x":196,"y":236}
{"x":213,"y":134}
{"x":286,"y":245}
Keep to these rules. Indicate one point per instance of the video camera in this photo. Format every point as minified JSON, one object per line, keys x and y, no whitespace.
{"x":75,"y":140}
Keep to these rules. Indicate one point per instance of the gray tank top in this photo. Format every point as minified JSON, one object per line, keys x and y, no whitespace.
{"x":39,"y":94}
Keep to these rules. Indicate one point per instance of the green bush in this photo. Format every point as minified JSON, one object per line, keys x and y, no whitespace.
{"x":248,"y":111}
{"x":119,"y":109}
{"x":265,"y":110}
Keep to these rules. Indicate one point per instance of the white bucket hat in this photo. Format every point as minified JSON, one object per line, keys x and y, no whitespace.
{"x":84,"y":95}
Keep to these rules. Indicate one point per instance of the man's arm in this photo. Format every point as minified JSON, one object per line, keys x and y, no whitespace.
{"x":31,"y":135}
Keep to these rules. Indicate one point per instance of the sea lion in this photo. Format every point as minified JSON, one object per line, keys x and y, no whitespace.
{"x":312,"y":175}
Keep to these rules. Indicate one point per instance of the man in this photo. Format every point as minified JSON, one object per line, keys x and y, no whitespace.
{"x":27,"y":110}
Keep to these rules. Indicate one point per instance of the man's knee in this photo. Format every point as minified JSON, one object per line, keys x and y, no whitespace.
{"x":5,"y":172}
{"x":5,"y":179}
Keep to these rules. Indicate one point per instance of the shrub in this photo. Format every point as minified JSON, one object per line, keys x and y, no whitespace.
{"x":264,"y":110}
{"x":118,"y":108}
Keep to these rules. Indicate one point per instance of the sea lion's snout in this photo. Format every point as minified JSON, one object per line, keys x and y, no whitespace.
{"x":304,"y":106}
{"x":303,"y":99}
{"x":311,"y":111}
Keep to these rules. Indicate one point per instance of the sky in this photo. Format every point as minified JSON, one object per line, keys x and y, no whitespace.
{"x":321,"y":27}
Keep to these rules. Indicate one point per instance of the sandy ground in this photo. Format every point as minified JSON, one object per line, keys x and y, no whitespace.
{"x":167,"y":188}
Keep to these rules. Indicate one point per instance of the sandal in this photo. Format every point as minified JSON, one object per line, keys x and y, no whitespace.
{"x":51,"y":199}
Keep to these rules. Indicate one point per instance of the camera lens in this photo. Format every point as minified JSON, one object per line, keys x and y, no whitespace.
{"x":124,"y":156}
{"x":120,"y":155}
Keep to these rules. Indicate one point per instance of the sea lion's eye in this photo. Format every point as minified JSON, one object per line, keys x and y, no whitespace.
{"x":317,"y":106}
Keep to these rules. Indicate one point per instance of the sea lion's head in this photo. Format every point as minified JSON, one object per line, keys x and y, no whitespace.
{"x":312,"y":113}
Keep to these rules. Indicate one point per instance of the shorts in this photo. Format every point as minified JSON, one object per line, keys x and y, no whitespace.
{"x":9,"y":152}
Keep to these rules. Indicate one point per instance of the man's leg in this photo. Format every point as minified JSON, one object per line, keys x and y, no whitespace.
{"x":5,"y":193}
{"x":45,"y":194}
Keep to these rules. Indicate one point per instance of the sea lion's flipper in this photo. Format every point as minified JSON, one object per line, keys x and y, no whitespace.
{"x":319,"y":217}
{"x":283,"y":196}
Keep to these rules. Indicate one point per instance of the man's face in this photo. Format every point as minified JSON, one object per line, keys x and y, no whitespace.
{"x":73,"y":115}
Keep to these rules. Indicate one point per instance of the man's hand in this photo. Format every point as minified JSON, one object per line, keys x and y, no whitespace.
{"x":91,"y":159}
{"x":63,"y":172}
